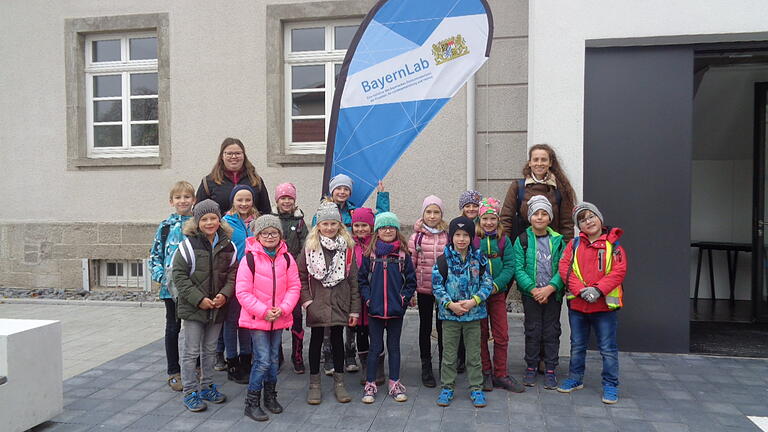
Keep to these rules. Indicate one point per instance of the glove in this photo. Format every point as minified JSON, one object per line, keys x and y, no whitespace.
{"x":590,"y":294}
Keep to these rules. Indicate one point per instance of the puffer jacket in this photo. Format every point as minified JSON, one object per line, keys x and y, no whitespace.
{"x":390,"y":290}
{"x":167,"y":238}
{"x":425,"y":247}
{"x":467,"y":279}
{"x":515,"y":220}
{"x":294,"y":231}
{"x":591,"y":257}
{"x":329,"y":306}
{"x":525,"y":263}
{"x":346,"y":210}
{"x":501,"y":267}
{"x":240,"y":232}
{"x":274,"y":283}
{"x":214,"y":273}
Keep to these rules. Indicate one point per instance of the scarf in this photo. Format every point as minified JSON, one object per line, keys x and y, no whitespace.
{"x":432,"y":230}
{"x":316,"y":261}
{"x":385,"y":248}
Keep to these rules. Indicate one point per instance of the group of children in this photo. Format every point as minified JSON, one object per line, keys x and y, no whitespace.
{"x":353,"y":269}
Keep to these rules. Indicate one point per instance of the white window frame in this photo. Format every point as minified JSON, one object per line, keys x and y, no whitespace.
{"x":124,"y":68}
{"x":329,"y":58}
{"x":125,"y":280}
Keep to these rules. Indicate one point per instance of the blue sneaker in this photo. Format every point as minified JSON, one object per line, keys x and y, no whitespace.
{"x":478,"y":398}
{"x":213,"y":395}
{"x":193,"y":402}
{"x":570,"y":385}
{"x":610,"y":394}
{"x":445,"y":398}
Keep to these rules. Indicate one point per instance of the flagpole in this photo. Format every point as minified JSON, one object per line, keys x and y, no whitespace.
{"x":471,"y":132}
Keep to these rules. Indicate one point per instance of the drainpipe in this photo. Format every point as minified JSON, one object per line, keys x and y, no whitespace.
{"x":471,"y":133}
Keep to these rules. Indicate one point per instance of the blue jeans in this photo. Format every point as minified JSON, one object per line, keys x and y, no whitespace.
{"x":605,"y":324}
{"x":266,"y":352}
{"x":376,"y":327}
{"x":232,"y":333}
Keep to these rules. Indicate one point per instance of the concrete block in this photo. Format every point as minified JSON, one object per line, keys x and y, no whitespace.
{"x":4,"y":242}
{"x":15,"y":280}
{"x":514,"y":116}
{"x":30,"y":356}
{"x":139,"y":234}
{"x":45,"y":280}
{"x":37,"y":232}
{"x":109,"y":233}
{"x":508,"y":63}
{"x":48,"y":266}
{"x":79,"y":234}
{"x":70,"y":274}
{"x":502,"y":157}
{"x":510,"y":17}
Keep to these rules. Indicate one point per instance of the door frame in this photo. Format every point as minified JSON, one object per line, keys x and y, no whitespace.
{"x":759,"y":307}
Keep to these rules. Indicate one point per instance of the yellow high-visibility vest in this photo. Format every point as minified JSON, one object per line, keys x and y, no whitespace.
{"x":615,"y":298}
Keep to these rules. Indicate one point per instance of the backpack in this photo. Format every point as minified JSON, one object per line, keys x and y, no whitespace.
{"x":252,"y":264}
{"x":401,"y":257}
{"x":186,"y":251}
{"x":442,"y":267}
{"x":500,"y":244}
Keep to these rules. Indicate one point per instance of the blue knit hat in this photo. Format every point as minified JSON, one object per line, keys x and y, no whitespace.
{"x":237,"y":189}
{"x":386,"y":219}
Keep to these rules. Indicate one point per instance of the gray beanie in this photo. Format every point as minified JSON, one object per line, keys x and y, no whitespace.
{"x":327,"y":211}
{"x":586,"y":206}
{"x":339,"y":180}
{"x":539,"y":202}
{"x":265,"y":221}
{"x":204,"y":207}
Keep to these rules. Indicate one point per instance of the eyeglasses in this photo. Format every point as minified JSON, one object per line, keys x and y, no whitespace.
{"x":233,"y":155}
{"x":589,"y":218}
{"x":273,"y":234}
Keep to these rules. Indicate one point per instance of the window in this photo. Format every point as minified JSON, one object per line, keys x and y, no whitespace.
{"x":121,"y":95}
{"x":123,"y":274}
{"x":313,"y":56}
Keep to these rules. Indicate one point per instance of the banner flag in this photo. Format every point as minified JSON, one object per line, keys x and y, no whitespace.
{"x":406,"y":61}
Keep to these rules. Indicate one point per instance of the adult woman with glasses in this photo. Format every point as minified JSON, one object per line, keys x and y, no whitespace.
{"x":231,"y":169}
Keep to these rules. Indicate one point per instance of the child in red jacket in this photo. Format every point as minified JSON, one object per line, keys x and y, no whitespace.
{"x":593,"y":267}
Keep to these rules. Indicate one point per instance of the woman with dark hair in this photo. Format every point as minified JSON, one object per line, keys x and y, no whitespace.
{"x":542,"y":175}
{"x":231,"y":169}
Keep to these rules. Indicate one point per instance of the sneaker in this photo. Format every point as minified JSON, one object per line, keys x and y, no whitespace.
{"x":397,"y":391}
{"x":550,"y":380}
{"x":509,"y":384}
{"x":221,"y":362}
{"x":369,"y":392}
{"x":213,"y":395}
{"x":478,"y":398}
{"x":487,"y":382}
{"x":445,"y":398}
{"x":610,"y":394}
{"x":570,"y":385}
{"x":529,"y":379}
{"x":193,"y":402}
{"x":350,"y":364}
{"x":174,"y":382}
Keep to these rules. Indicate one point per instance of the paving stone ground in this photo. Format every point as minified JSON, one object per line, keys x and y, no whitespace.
{"x":659,"y":392}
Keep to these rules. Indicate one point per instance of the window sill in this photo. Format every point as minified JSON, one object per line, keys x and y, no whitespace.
{"x":297,"y":159}
{"x":116,"y":162}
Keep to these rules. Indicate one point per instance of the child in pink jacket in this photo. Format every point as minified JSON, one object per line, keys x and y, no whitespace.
{"x":268,"y":289}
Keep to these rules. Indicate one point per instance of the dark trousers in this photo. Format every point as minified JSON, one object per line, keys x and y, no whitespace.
{"x":426,"y":304}
{"x":542,"y":330}
{"x":172,"y":329}
{"x":316,"y":346}
{"x":394,"y":327}
{"x":362,"y":336}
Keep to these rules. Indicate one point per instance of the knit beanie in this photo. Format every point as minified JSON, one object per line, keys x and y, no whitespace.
{"x":428,"y":201}
{"x":237,"y":189}
{"x":364,"y":215}
{"x":327,"y":211}
{"x":586,"y":206}
{"x":469,"y":197}
{"x":386,"y":219}
{"x":285,"y":189}
{"x":265,"y":221}
{"x":204,"y":207}
{"x":489,"y":206}
{"x":539,"y":202}
{"x":462,"y":223}
{"x":339,"y":180}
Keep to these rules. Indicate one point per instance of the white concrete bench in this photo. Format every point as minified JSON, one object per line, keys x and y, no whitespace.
{"x":31,"y":361}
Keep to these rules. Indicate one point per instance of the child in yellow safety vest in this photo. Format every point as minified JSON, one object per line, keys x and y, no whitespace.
{"x":593,"y":267}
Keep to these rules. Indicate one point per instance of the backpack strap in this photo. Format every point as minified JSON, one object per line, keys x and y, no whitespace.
{"x":520,"y":193}
{"x":164,"y":231}
{"x":501,"y":243}
{"x":206,"y":188}
{"x":442,"y":267}
{"x":570,"y":266}
{"x":185,"y":249}
{"x":251,"y":263}
{"x":348,"y":261}
{"x":287,"y":260}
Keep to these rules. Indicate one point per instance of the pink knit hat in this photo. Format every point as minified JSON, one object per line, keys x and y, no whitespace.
{"x":428,"y":201}
{"x":363,"y":214}
{"x":285,"y":189}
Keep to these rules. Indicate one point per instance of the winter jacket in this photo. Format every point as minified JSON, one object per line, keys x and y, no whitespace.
{"x":329,"y":306}
{"x":515,"y":220}
{"x":465,"y":281}
{"x":346,"y":210}
{"x":294,"y":231}
{"x":591,"y":258}
{"x":501,"y":267}
{"x":213,"y":271}
{"x":425,"y":247}
{"x":525,"y":263}
{"x":360,"y":247}
{"x":240,"y":232}
{"x":167,"y":238}
{"x":220,"y":192}
{"x":390,"y":290}
{"x":273,"y":283}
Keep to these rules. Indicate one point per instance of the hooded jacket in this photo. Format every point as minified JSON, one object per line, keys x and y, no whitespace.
{"x":167,"y":238}
{"x":274,"y":283}
{"x":464,"y":282}
{"x":525,"y":263}
{"x":294,"y":231}
{"x":591,"y":258}
{"x":425,"y":248}
{"x":329,"y":306}
{"x":240,"y":232}
{"x":390,"y":290}
{"x":501,"y":267}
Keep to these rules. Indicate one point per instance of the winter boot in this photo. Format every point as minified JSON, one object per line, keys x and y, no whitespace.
{"x":270,"y":398}
{"x":234,"y":370}
{"x":427,"y":377}
{"x":245,"y":368}
{"x":350,"y":349}
{"x":338,"y":388}
{"x":297,"y":353}
{"x":380,"y":377}
{"x":221,"y":364}
{"x":363,"y":357}
{"x":253,"y":406}
{"x":314,"y":393}
{"x":327,"y":357}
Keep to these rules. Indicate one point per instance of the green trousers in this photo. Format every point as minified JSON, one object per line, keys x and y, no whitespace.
{"x":452,"y":331}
